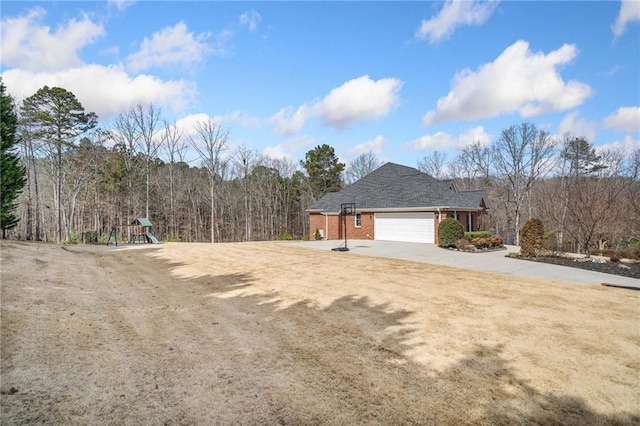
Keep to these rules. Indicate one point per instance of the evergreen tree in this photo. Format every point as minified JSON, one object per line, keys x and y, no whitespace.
{"x":12,"y":171}
{"x":581,"y":157}
{"x":324,"y":170}
{"x":57,"y":118}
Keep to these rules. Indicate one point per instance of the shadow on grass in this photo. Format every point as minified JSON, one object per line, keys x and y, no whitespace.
{"x":347,"y":363}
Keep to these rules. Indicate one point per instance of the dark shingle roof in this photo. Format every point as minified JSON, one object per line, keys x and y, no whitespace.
{"x":393,"y":186}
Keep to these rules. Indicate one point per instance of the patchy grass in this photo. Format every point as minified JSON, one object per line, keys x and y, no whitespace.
{"x":265,"y":333}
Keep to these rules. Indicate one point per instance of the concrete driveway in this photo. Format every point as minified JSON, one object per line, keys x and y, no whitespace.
{"x":488,"y":262}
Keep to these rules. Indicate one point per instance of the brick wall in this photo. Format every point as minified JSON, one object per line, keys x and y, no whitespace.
{"x":366,"y":231}
{"x":363,"y":232}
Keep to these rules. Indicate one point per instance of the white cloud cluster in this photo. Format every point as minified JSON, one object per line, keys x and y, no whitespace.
{"x":372,"y":145}
{"x":627,"y":145}
{"x":170,"y":46}
{"x":251,"y":19}
{"x":290,"y":148}
{"x":625,"y":118}
{"x":37,"y":56}
{"x":26,"y":43}
{"x":577,"y":126}
{"x":105,"y":90}
{"x":455,"y":13}
{"x":360,"y":99}
{"x":629,"y":13}
{"x":442,"y":141}
{"x":517,"y":81}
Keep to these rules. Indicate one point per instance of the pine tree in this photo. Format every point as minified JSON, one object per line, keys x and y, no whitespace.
{"x":58,"y":118}
{"x":324,"y":170}
{"x":12,"y":171}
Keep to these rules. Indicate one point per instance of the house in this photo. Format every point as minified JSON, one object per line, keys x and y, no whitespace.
{"x":397,"y":203}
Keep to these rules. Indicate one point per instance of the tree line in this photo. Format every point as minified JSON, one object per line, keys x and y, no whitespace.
{"x":80,"y":179}
{"x":585,"y":199}
{"x":64,"y":178}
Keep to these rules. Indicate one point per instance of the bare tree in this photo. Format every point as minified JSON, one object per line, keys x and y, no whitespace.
{"x":210,"y":142}
{"x":173,"y":148}
{"x":522,"y":154}
{"x":147,"y":119}
{"x":434,"y":164}
{"x":361,"y":166}
{"x":594,"y":208}
{"x":127,"y":139}
{"x":243,"y":162}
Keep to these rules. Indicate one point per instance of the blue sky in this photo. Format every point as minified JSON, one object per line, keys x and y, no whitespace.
{"x":400,"y":79}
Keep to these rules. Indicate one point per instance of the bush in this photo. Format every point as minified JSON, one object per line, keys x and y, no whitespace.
{"x":284,"y":237}
{"x":496,"y":241}
{"x":317,"y":235}
{"x":73,"y":238}
{"x":462,"y":244}
{"x":449,"y":231}
{"x":614,"y":258}
{"x":531,"y":238}
{"x":476,"y":234}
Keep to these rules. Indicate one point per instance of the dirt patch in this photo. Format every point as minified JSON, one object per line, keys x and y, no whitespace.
{"x":267,"y":333}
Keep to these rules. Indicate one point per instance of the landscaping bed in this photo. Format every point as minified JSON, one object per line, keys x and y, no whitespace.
{"x":631,"y":270}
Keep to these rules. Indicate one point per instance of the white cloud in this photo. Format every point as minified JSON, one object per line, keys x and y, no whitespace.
{"x":170,"y":46}
{"x":627,"y":144}
{"x":187,"y":124}
{"x":455,"y":13}
{"x":290,"y":148}
{"x":360,"y":99}
{"x":104,"y":90}
{"x":517,"y":81}
{"x":577,"y":126}
{"x":251,"y":19}
{"x":629,"y":13}
{"x":372,"y":145}
{"x":27,"y":44}
{"x":625,"y":118}
{"x":442,"y":141}
{"x":288,"y":122}
{"x":119,"y":5}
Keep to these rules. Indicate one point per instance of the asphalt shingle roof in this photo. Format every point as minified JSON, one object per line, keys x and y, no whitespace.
{"x":394,"y":186}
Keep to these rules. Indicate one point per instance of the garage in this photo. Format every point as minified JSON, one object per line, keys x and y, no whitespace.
{"x":407,"y":227}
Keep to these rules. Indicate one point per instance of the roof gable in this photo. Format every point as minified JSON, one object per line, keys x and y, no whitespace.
{"x":394,"y":186}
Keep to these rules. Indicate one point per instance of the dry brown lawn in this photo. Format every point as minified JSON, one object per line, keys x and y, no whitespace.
{"x":268,"y":333}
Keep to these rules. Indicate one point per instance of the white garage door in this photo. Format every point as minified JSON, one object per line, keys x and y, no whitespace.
{"x":409,"y":227}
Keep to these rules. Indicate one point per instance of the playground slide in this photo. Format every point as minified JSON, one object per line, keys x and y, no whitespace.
{"x":152,"y":239}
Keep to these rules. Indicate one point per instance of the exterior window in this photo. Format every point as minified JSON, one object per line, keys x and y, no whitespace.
{"x":469,"y":222}
{"x":358,"y":220}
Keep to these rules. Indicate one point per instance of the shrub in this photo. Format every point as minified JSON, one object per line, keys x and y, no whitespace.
{"x":449,"y":231}
{"x":496,"y":241}
{"x":531,"y":238}
{"x":480,"y":243}
{"x":284,"y":237}
{"x":614,"y":258}
{"x":462,"y":243}
{"x":317,"y":235}
{"x":73,"y":238}
{"x":476,"y":234}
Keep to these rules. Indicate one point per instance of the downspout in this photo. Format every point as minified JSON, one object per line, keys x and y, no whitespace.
{"x":439,"y":221}
{"x":326,"y":226}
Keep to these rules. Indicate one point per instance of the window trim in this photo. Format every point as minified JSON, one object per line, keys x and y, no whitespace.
{"x":357,"y":218}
